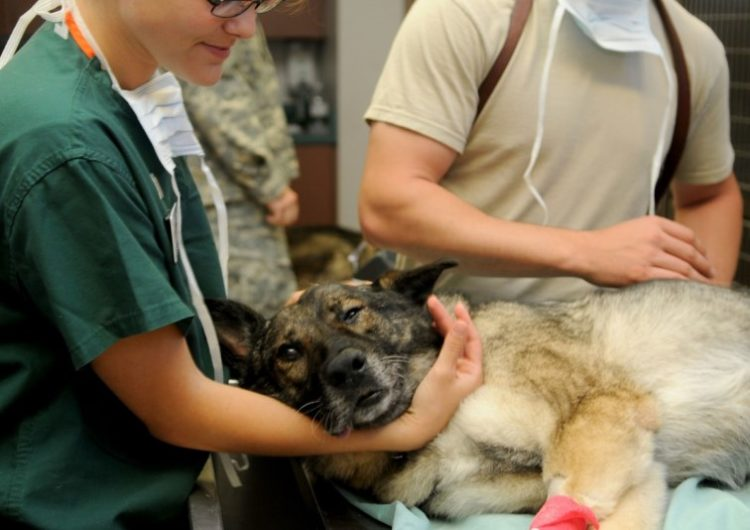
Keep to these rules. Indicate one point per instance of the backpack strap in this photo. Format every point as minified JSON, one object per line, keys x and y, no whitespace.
{"x":518,"y":18}
{"x":682,"y":120}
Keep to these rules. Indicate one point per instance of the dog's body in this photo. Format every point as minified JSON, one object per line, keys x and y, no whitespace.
{"x":607,"y":399}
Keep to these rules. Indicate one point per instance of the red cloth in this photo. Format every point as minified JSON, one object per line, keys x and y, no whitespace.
{"x":563,"y":513}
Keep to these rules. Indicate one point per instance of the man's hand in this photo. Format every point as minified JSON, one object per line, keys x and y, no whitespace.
{"x":643,"y":249}
{"x":284,"y":209}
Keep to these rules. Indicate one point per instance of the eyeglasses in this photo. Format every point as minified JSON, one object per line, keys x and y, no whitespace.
{"x":234,"y":8}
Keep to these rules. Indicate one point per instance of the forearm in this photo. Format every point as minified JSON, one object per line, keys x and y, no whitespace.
{"x":156,"y":378}
{"x":428,"y":222}
{"x":717,"y":222}
{"x":436,"y":224}
{"x":154,"y":375}
{"x":216,"y":417}
{"x":402,"y":206}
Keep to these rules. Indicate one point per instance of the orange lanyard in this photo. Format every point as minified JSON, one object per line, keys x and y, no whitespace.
{"x":78,"y":37}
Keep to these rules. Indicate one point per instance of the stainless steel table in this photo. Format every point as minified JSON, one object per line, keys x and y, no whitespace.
{"x":276,"y":494}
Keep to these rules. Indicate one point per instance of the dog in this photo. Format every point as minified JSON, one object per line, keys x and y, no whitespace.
{"x":326,"y":254}
{"x":608,"y":399}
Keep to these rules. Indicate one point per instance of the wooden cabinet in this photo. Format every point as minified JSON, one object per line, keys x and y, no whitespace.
{"x":310,"y":25}
{"x":316,"y":184}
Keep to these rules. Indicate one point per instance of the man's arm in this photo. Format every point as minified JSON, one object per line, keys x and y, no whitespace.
{"x":403,"y":207}
{"x":714,"y":213}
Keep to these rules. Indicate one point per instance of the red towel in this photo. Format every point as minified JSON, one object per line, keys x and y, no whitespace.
{"x":563,"y":513}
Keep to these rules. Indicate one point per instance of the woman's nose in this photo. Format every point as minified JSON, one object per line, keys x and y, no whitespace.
{"x":242,"y":26}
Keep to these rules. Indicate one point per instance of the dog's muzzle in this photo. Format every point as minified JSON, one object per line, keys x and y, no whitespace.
{"x":347,"y":369}
{"x":355,"y":394}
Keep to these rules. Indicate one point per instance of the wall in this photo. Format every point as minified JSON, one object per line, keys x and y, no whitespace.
{"x":10,"y":10}
{"x":364,"y":32}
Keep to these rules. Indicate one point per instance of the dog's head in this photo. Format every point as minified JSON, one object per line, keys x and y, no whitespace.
{"x":347,"y":356}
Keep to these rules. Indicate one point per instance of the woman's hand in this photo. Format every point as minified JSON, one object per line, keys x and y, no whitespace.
{"x":457,"y":372}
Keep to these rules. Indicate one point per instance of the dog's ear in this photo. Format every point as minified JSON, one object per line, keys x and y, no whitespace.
{"x":237,"y":327}
{"x":416,"y":284}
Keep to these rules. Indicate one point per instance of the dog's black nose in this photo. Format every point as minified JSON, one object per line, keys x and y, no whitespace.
{"x":346,"y":369}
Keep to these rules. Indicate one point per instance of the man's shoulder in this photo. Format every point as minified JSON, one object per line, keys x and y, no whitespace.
{"x":480,"y":11}
{"x":695,"y":35}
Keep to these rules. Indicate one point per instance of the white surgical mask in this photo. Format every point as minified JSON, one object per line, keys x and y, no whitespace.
{"x":616,"y":25}
{"x":160,"y":110}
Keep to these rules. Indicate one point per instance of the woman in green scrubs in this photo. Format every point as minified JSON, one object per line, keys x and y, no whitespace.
{"x":107,"y":403}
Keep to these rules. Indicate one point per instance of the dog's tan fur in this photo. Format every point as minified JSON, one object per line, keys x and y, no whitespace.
{"x":607,"y":399}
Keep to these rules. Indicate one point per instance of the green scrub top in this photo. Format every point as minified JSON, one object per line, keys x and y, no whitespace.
{"x":86,"y":258}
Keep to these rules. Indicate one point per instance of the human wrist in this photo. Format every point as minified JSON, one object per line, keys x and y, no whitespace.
{"x":402,"y":434}
{"x":570,"y":253}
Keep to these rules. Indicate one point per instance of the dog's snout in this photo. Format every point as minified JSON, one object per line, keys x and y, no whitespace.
{"x":347,"y":368}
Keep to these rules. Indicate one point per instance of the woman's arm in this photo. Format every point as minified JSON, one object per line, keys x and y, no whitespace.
{"x":156,"y":378}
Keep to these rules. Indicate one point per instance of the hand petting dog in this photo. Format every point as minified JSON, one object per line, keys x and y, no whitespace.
{"x":457,"y":372}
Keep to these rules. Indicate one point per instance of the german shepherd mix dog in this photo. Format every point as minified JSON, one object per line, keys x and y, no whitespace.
{"x":607,"y":399}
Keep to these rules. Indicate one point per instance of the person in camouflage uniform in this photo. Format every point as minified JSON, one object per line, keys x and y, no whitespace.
{"x":241,"y":124}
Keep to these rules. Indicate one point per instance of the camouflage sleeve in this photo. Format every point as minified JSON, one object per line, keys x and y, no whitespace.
{"x":241,"y":123}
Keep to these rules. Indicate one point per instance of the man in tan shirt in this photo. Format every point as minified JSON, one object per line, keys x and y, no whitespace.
{"x":554,"y":222}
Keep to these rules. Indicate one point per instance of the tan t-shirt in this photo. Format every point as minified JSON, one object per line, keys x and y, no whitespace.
{"x":603,"y":115}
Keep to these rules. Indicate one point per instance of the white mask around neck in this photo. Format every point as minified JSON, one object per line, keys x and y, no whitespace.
{"x":616,"y":25}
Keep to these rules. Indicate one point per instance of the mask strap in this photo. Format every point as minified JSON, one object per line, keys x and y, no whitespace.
{"x":205,"y":319}
{"x":220,"y":206}
{"x":659,"y":155}
{"x":42,"y":8}
{"x":542,"y":110}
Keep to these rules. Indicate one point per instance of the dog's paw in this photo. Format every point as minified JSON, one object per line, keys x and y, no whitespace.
{"x":601,"y":506}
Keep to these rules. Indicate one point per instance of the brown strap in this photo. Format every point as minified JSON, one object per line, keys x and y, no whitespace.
{"x":518,"y":17}
{"x":682,"y":120}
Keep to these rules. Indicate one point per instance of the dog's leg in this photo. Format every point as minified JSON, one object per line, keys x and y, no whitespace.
{"x":503,"y":493}
{"x":604,"y":451}
{"x":642,"y":507}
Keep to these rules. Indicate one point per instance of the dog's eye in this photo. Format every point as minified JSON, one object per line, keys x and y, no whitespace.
{"x":287,"y":352}
{"x":350,"y":316}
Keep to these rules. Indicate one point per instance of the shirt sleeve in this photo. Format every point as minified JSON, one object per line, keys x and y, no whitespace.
{"x":708,"y":156}
{"x":432,"y":75}
{"x":91,"y":253}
